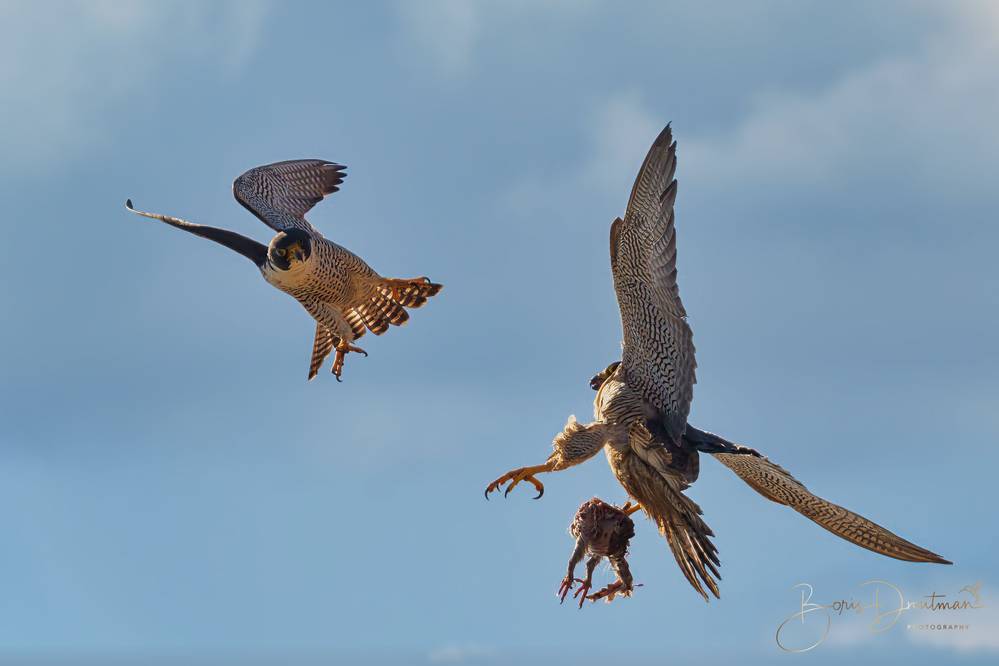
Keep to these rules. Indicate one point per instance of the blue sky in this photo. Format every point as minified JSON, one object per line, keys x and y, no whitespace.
{"x":175,"y":492}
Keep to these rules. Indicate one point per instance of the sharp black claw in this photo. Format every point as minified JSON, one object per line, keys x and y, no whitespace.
{"x":363,"y":352}
{"x":487,"y":493}
{"x":508,"y":490}
{"x":540,"y":493}
{"x":338,"y":378}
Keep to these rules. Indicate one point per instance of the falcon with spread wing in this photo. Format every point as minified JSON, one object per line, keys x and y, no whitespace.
{"x":642,"y":403}
{"x":344,"y":295}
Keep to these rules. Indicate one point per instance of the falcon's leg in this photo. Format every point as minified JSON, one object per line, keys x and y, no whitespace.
{"x":577,"y":555}
{"x":580,"y":594}
{"x":521,"y":474}
{"x":630,"y":508}
{"x":342,"y":349}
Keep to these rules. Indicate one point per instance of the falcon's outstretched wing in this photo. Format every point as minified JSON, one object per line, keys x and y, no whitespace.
{"x":280,"y":194}
{"x":658,"y":354}
{"x":776,"y":484}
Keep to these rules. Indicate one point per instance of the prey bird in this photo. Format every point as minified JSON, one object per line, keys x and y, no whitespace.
{"x":601,"y":530}
{"x":642,"y":402}
{"x":344,"y":295}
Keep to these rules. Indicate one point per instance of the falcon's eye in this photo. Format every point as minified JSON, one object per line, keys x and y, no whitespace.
{"x":280,"y":252}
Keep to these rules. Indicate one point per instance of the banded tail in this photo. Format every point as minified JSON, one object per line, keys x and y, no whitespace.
{"x":386,"y":306}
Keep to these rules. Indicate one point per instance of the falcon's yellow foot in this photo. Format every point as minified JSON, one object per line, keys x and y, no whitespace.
{"x":518,"y":475}
{"x":342,"y":349}
{"x":630,"y":508}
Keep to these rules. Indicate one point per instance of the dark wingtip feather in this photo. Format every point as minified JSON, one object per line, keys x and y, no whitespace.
{"x":128,"y":204}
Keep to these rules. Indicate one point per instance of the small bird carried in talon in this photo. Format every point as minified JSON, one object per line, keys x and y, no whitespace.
{"x":601,"y":530}
{"x":643,"y":400}
{"x":344,"y":295}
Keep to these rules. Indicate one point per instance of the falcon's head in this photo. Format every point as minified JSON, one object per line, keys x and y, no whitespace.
{"x":288,"y":248}
{"x":598,"y":379}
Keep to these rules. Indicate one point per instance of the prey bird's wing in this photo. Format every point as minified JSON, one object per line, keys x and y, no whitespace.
{"x":776,"y":484}
{"x":658,"y":354}
{"x":280,"y":194}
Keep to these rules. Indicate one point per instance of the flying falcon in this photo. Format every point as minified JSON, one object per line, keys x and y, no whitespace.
{"x":640,"y":412}
{"x":343,"y":294}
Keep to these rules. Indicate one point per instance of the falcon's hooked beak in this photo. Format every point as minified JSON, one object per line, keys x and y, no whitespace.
{"x":288,"y":247}
{"x":598,"y":379}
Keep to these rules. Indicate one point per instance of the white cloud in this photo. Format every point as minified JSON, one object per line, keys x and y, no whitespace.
{"x":447,"y":33}
{"x":620,"y":131}
{"x":617,"y":133}
{"x":982,"y":634}
{"x":456,"y":653}
{"x":445,"y":30}
{"x":60,"y":74}
{"x":941,"y":101}
{"x":930,"y":115}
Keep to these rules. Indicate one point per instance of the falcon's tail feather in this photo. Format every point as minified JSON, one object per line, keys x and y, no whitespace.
{"x":388,"y":303}
{"x":679,"y":520}
{"x":409,"y":293}
{"x":321,"y":348}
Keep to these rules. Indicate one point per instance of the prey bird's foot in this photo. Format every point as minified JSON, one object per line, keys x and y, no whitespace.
{"x":342,"y":350}
{"x":581,"y":592}
{"x":518,"y":475}
{"x":563,"y":589}
{"x":612,"y":590}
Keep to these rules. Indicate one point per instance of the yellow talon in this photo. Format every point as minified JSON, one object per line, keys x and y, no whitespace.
{"x":520,"y":474}
{"x":630,"y":508}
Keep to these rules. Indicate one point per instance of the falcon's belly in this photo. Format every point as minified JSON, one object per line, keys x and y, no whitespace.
{"x":619,"y":403}
{"x":329,"y":282}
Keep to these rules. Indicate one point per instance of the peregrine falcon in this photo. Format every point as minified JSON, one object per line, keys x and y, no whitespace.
{"x":344,"y":295}
{"x":642,"y":402}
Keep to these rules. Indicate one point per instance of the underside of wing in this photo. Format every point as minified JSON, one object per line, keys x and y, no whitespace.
{"x":658,"y":355}
{"x":776,"y":484}
{"x":280,"y":194}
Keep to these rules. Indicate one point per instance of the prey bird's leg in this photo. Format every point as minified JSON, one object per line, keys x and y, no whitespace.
{"x":577,"y":555}
{"x":591,"y":564}
{"x":342,"y":348}
{"x":624,"y":583}
{"x":522,"y":474}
